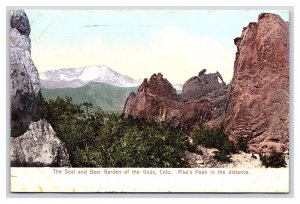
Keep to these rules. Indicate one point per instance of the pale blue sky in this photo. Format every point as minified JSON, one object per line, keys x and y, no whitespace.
{"x":140,"y":42}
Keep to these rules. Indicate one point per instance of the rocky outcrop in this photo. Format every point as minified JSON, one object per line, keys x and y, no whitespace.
{"x":19,"y":20}
{"x":258,"y":105}
{"x":25,"y":83}
{"x":38,"y":147}
{"x":198,"y":86}
{"x":209,"y":110}
{"x":157,"y":100}
{"x":33,"y":141}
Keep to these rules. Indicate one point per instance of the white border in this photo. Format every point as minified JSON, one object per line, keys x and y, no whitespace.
{"x":157,"y":197}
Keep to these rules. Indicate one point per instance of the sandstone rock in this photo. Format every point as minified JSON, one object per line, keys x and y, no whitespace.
{"x":157,"y":100}
{"x":38,"y":147}
{"x":200,"y":85}
{"x":258,"y":103}
{"x":25,"y":83}
{"x":208,"y":110}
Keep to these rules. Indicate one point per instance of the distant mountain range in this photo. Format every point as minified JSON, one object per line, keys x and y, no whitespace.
{"x":78,"y":77}
{"x":107,"y":97}
{"x":97,"y":84}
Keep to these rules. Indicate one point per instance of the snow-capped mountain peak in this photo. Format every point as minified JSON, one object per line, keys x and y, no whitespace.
{"x":76,"y":77}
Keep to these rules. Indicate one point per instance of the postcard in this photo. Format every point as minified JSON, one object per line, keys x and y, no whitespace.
{"x":149,"y":100}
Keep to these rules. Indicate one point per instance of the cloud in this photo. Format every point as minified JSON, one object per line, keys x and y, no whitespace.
{"x":170,"y":50}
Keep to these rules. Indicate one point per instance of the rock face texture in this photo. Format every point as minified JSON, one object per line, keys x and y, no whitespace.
{"x":25,"y":83}
{"x":38,"y":145}
{"x":19,"y":20}
{"x":157,"y":100}
{"x":200,"y":85}
{"x":258,"y":101}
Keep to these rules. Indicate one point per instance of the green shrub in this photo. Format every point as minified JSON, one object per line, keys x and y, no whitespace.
{"x":193,"y":148}
{"x":212,"y":138}
{"x":275,"y":160}
{"x":242,"y":144}
{"x":94,"y":138}
{"x":147,"y":144}
{"x":86,"y":157}
{"x":215,"y":138}
{"x":222,"y":156}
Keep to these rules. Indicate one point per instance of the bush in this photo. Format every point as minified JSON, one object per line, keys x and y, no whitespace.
{"x":222,"y":156}
{"x":275,"y":160}
{"x":193,"y":148}
{"x":157,"y":145}
{"x":242,"y":144}
{"x":215,"y":138}
{"x":212,"y":138}
{"x":94,"y":138}
{"x":86,"y":157}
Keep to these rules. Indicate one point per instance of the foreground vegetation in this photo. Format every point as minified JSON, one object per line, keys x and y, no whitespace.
{"x":215,"y":138}
{"x":274,"y":160}
{"x":96,"y":139}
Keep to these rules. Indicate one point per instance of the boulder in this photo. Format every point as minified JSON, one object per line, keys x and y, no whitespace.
{"x":258,"y":99}
{"x":38,"y":147}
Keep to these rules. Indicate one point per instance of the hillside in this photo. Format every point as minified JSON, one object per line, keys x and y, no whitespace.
{"x":109,"y":98}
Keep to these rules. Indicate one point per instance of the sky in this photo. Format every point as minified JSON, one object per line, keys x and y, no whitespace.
{"x":138,"y":43}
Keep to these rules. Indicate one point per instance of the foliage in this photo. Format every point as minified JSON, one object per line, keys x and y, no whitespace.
{"x":242,"y":144}
{"x":222,"y":156}
{"x":97,"y":139}
{"x":215,"y":138}
{"x":193,"y":148}
{"x":274,"y":160}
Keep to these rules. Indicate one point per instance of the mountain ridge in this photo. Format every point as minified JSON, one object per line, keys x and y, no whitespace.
{"x":107,"y":97}
{"x":77,"y":77}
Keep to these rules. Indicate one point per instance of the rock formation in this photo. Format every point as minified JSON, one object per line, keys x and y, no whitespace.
{"x":200,"y":85}
{"x":24,"y":75}
{"x":25,"y":86}
{"x":157,"y":100}
{"x":38,"y":147}
{"x":258,"y":103}
{"x":255,"y":106}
